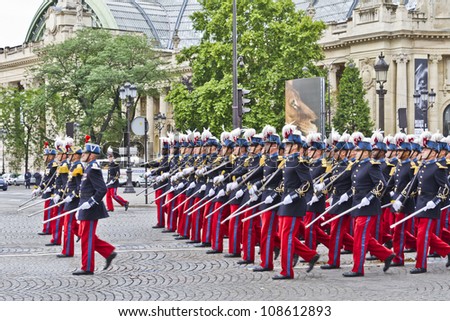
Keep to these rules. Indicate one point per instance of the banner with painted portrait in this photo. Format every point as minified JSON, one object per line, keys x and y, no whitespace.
{"x":420,"y":84}
{"x":305,"y":104}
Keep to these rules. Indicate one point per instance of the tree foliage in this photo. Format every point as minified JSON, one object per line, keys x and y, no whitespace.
{"x":23,"y":119}
{"x":275,"y":42}
{"x":85,"y":72}
{"x":352,"y":112}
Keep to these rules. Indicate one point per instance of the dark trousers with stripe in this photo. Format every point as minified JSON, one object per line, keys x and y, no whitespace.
{"x":402,"y":238}
{"x":57,"y":225}
{"x":426,"y":239}
{"x":234,"y":231}
{"x":70,"y":230}
{"x":338,"y":237}
{"x":197,"y":219}
{"x":290,"y":244}
{"x":46,"y":228}
{"x":185,"y":221}
{"x":364,"y":241}
{"x":314,"y":233}
{"x":251,"y":229}
{"x":90,"y":243}
{"x":160,"y":219}
{"x":218,"y":230}
{"x":207,"y":222}
{"x":269,"y":238}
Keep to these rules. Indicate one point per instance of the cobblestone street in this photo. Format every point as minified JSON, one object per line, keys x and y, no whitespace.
{"x":153,"y":266}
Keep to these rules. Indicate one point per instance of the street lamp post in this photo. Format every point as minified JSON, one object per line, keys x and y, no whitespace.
{"x":235,"y":107}
{"x":160,"y":120}
{"x":424,"y":100}
{"x":128,"y":93}
{"x":381,"y":69}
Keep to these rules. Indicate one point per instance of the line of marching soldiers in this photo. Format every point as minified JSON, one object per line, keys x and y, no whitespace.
{"x":383,"y":195}
{"x":72,"y":190}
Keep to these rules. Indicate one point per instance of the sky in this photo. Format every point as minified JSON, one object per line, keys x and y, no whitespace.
{"x":15,"y":19}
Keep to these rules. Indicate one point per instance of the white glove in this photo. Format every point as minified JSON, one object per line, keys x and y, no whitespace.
{"x":192,"y":185}
{"x":211,"y":193}
{"x":431,"y":205}
{"x":165,"y":176}
{"x":56,"y":199}
{"x":85,"y":206}
{"x":219,"y":179}
{"x":268,"y":200}
{"x":229,"y":187}
{"x":36,"y":192}
{"x":344,"y":198}
{"x":48,"y":190}
{"x":221,"y":193}
{"x":313,"y":200}
{"x":158,"y":179}
{"x":287,"y":200}
{"x":391,"y":193}
{"x":188,"y":171}
{"x":253,"y":190}
{"x":396,"y":205}
{"x":233,"y":186}
{"x":319,"y":186}
{"x":202,"y":188}
{"x":253,"y":197}
{"x":180,"y":186}
{"x":68,"y":199}
{"x":147,"y":175}
{"x":239,"y":194}
{"x":364,"y":202}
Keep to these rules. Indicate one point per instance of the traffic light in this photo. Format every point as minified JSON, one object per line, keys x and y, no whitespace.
{"x":242,"y":101}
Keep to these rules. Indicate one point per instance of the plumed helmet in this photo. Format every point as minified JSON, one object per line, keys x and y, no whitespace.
{"x":60,"y":145}
{"x":90,"y":147}
{"x":48,"y":151}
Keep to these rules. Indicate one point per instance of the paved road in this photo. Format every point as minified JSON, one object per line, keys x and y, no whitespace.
{"x":154,"y":266}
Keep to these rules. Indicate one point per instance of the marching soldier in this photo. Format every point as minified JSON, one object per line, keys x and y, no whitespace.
{"x":296,"y":183}
{"x":91,"y":209}
{"x":72,"y":199}
{"x":162,"y":167}
{"x":113,"y":184}
{"x":273,"y":163}
{"x":62,"y":173}
{"x":432,"y":189}
{"x":367,"y":184}
{"x":46,"y":186}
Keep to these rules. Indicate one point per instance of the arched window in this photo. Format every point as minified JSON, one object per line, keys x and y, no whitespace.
{"x":446,"y":118}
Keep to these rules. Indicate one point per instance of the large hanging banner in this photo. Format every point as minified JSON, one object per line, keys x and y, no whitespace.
{"x":420,"y":84}
{"x":305,"y":104}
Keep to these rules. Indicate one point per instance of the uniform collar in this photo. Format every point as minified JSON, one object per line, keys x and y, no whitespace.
{"x":365,"y":160}
{"x":427,"y":162}
{"x":406,"y":161}
{"x":293,"y":156}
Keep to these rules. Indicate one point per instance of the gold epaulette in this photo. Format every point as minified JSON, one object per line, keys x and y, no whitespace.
{"x":281,"y":158}
{"x":63,"y":169}
{"x":325,"y":164}
{"x":349,"y":166}
{"x":392,"y":171}
{"x":247,"y":161}
{"x":282,"y":163}
{"x":262,"y":160}
{"x":78,"y":170}
{"x":55,"y":164}
{"x":440,"y":166}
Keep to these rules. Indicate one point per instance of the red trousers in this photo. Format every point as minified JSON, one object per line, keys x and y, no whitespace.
{"x":180,"y":210}
{"x":234,"y":231}
{"x":207,"y":222}
{"x":387,"y":219}
{"x":56,"y":225}
{"x":90,"y":243}
{"x":111,"y":194}
{"x":197,"y":219}
{"x":314,"y":233}
{"x":251,"y":229}
{"x":269,"y":238}
{"x":289,"y":226}
{"x":159,"y":208}
{"x":70,"y":230}
{"x":402,"y":238}
{"x":338,"y":237}
{"x":171,"y":222}
{"x":425,"y":239}
{"x":364,"y":241}
{"x":47,"y":215}
{"x":218,"y":230}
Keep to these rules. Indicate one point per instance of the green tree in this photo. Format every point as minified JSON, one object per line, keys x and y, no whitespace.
{"x":275,"y":42}
{"x":23,"y":118}
{"x":86,"y":71}
{"x":352,"y":112}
